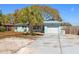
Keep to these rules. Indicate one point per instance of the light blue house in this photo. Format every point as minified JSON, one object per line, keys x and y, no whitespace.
{"x":49,"y":27}
{"x":21,"y":28}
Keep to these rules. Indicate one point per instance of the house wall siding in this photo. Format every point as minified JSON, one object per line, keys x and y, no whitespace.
{"x":21,"y":29}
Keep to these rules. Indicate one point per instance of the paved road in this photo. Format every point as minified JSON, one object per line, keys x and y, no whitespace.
{"x":52,"y":44}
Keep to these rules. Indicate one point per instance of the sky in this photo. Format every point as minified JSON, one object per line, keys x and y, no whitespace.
{"x":68,"y":12}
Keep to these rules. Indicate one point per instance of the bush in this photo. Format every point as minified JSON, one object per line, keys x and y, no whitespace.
{"x":2,"y":29}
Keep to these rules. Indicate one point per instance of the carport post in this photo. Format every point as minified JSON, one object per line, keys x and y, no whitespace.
{"x":59,"y":39}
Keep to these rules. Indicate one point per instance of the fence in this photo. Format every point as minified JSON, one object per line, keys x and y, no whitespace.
{"x":71,"y":30}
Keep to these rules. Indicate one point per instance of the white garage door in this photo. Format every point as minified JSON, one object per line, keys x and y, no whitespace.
{"x":51,"y":30}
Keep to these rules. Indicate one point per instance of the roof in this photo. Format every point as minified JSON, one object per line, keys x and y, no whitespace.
{"x":52,"y":22}
{"x":19,"y":24}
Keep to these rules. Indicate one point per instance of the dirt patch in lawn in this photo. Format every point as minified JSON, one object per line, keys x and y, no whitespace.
{"x":17,"y":34}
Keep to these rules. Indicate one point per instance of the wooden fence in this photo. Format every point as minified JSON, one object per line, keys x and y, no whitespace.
{"x":71,"y":30}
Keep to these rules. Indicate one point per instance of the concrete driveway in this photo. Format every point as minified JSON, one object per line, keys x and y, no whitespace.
{"x":47,"y":44}
{"x":52,"y":44}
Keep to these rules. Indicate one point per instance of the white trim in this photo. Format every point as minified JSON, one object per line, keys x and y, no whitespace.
{"x":53,"y":22}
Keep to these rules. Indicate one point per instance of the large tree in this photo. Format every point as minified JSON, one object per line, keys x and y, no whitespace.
{"x":6,"y":19}
{"x":1,"y":17}
{"x":34,"y":17}
{"x":30,"y":15}
{"x":15,"y":16}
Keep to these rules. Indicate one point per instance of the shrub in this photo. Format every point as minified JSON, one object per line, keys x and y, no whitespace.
{"x":2,"y":29}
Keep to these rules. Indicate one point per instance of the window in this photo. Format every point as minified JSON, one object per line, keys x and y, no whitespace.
{"x":15,"y":27}
{"x":36,"y":27}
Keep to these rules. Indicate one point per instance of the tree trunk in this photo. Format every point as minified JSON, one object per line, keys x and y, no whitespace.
{"x":31,"y":29}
